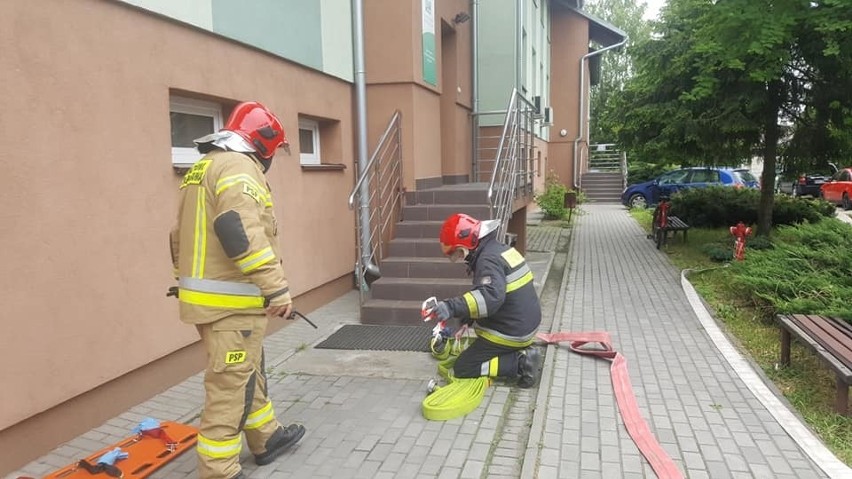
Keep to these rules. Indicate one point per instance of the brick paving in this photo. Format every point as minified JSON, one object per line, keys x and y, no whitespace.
{"x":614,"y":279}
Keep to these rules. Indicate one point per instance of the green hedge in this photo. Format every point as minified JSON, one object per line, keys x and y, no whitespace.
{"x":639,"y":172}
{"x":722,"y":206}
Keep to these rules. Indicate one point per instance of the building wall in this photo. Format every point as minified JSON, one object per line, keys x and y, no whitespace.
{"x":570,"y":41}
{"x":317,"y":34}
{"x":497,"y":64}
{"x":89,"y":192}
{"x":394,"y":72}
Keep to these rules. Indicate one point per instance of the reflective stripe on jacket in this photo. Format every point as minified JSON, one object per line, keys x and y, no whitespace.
{"x":225,"y":245}
{"x":503,"y":302}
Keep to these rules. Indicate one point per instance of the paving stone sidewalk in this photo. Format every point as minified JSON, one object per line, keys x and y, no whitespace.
{"x":366,"y":423}
{"x":700,"y":411}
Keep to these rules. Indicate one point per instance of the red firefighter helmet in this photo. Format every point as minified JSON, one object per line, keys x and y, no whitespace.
{"x":459,"y":231}
{"x":258,"y":126}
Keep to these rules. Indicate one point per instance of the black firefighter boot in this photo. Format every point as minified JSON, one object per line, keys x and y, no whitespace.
{"x":529,"y":367}
{"x":280,"y":441}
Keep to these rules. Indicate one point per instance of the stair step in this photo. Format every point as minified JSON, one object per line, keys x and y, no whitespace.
{"x":442,"y":211}
{"x":444,"y":196}
{"x":601,"y":182}
{"x":421,"y":267}
{"x":417,"y":247}
{"x":414,"y":289}
{"x":418,"y":229}
{"x":602,"y":174}
{"x":391,"y":312}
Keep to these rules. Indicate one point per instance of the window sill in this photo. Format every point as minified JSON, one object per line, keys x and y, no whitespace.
{"x":324,"y":167}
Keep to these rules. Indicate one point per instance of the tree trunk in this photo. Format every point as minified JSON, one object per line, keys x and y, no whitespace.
{"x":771,"y":132}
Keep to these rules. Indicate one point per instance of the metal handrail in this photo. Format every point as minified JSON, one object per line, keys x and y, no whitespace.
{"x":382,"y":181}
{"x":394,"y":120}
{"x":509,"y":112}
{"x":510,"y":160}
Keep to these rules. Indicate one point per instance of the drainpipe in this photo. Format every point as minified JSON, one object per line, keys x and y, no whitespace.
{"x":474,"y":87}
{"x":581,"y":117}
{"x":519,"y":32}
{"x":363,"y":159}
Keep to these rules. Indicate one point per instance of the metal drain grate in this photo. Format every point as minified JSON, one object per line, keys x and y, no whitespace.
{"x":371,"y":337}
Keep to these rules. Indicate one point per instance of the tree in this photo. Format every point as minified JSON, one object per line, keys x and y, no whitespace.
{"x":616,"y":66}
{"x":721,"y":79}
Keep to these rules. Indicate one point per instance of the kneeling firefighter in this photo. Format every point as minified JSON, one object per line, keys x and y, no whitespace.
{"x":503,"y":305}
{"x":225,"y":251}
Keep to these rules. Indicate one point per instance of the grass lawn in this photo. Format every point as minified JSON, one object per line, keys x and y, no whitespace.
{"x":807,"y":383}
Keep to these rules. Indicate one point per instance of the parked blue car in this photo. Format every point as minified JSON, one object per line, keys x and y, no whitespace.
{"x":648,"y":193}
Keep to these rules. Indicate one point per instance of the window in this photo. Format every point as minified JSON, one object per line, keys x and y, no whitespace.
{"x":704,"y":176}
{"x":191,"y":119}
{"x":309,"y":142}
{"x":674,"y":177}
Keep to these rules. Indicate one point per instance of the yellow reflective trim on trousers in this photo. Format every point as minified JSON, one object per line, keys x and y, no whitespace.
{"x":214,"y":300}
{"x":493,"y":367}
{"x":471,"y":305}
{"x":503,"y":341}
{"x":519,"y":282}
{"x":200,"y":240}
{"x":219,"y":449}
{"x":256,"y":260}
{"x":260,"y":417}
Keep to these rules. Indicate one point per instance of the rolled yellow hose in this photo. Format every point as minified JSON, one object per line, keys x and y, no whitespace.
{"x":459,"y":396}
{"x":456,"y":399}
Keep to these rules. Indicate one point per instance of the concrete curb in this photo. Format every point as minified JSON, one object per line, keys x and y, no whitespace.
{"x":529,"y":466}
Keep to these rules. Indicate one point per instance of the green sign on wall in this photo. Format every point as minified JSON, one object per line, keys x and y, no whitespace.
{"x":430,"y":65}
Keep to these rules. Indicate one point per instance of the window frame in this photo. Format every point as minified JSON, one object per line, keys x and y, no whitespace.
{"x":315,"y":158}
{"x":185,"y":157}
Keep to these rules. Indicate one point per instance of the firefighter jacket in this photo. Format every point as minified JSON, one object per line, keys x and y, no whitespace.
{"x":503,"y":303}
{"x":224,"y":246}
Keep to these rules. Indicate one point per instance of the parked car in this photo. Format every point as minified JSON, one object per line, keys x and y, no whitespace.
{"x":641,"y":195}
{"x":838,"y":188}
{"x":810,"y":184}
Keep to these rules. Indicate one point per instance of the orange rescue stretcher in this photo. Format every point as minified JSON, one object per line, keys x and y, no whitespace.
{"x":147,"y":451}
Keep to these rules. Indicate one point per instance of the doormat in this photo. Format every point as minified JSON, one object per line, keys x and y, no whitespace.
{"x":372,"y":337}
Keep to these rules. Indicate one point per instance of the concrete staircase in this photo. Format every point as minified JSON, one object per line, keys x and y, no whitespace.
{"x":602,"y":187}
{"x":415,"y":267}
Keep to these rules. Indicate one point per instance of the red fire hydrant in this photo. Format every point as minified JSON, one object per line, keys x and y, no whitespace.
{"x":740,"y":232}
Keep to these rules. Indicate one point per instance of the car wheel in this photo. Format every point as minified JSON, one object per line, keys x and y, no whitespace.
{"x":845,"y":202}
{"x":638,"y":200}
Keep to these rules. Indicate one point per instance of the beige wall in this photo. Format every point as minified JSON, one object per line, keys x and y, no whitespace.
{"x":88,"y":191}
{"x":432,"y":115}
{"x":569,"y":42}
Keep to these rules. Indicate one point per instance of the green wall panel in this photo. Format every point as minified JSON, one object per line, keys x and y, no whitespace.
{"x":289,"y":28}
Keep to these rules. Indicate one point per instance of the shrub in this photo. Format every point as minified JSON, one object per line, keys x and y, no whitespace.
{"x":639,"y":172}
{"x":552,"y":201}
{"x":807,"y":271}
{"x":722,"y":206}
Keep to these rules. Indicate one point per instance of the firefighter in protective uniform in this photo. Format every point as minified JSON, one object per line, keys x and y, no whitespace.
{"x":225,"y":251}
{"x":503,"y":305}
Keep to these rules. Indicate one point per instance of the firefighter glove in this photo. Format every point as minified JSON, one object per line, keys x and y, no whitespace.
{"x":147,"y":424}
{"x":112,"y":456}
{"x":443,"y":311}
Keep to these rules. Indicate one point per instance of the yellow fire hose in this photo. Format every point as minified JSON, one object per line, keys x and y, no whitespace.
{"x":459,"y":396}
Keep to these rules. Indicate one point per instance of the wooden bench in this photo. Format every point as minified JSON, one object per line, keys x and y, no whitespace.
{"x":830,"y":339}
{"x":673,"y":224}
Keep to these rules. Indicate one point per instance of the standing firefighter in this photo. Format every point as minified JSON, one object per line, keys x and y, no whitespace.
{"x":502,"y":306}
{"x":225,"y":251}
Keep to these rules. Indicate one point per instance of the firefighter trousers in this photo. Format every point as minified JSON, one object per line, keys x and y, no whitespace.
{"x":484,"y":358}
{"x":236,"y":400}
